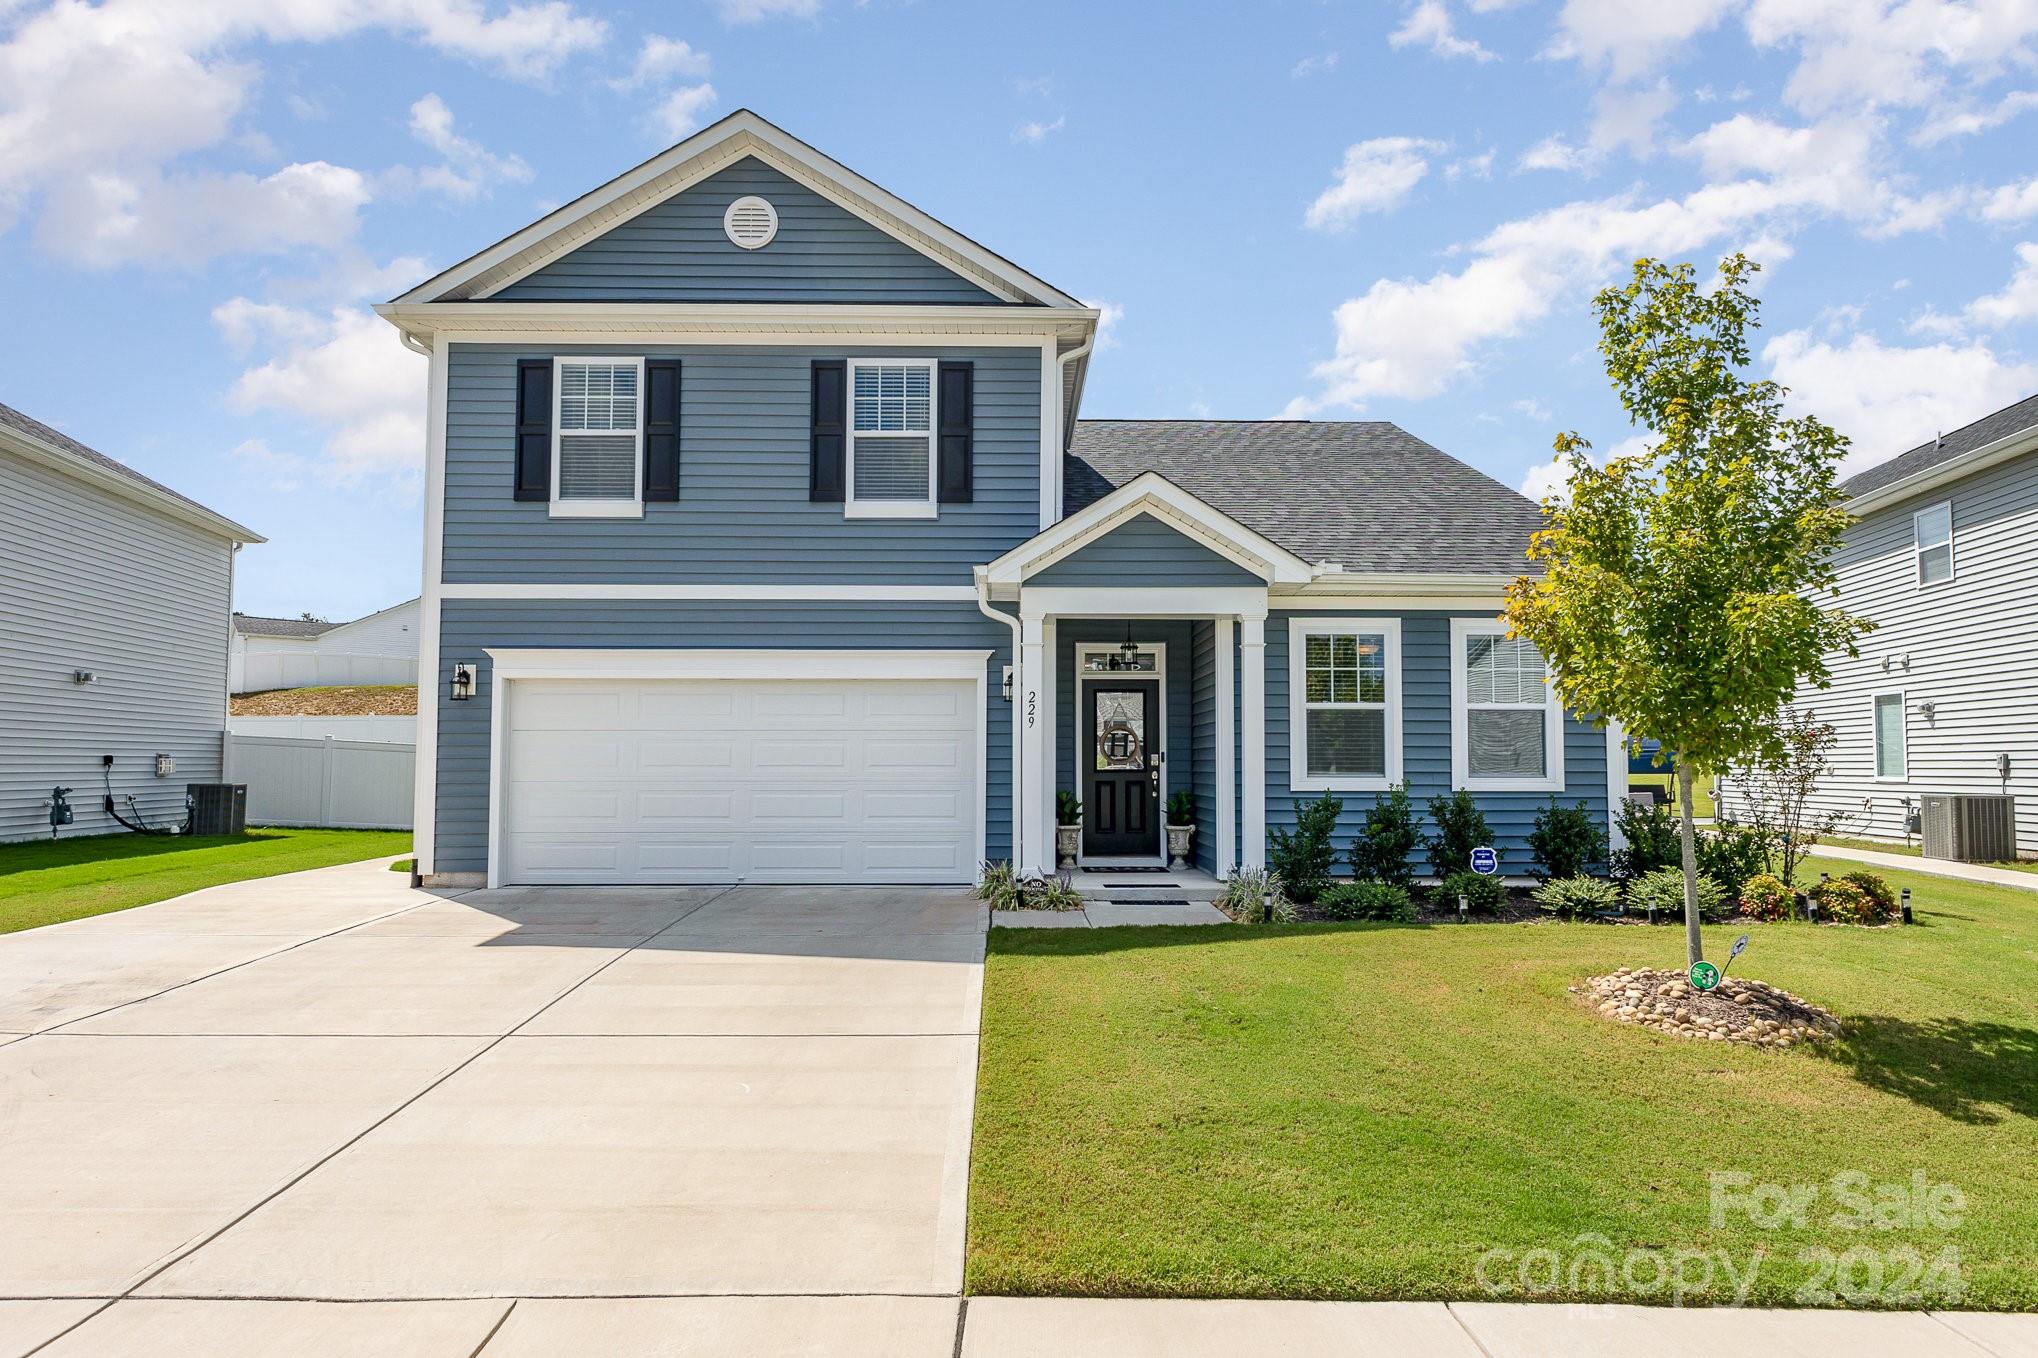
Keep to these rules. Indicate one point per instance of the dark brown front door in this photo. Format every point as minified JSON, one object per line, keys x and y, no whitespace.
{"x":1121,"y":769}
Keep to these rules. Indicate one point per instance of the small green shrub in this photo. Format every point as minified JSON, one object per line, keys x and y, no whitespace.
{"x":1051,"y":893}
{"x":1844,"y":900}
{"x":1182,"y":808}
{"x":1389,"y":835}
{"x":1484,"y":894}
{"x":1652,"y":840}
{"x":1302,"y":858}
{"x":1765,"y":897}
{"x":1663,"y":890}
{"x":1566,"y":841}
{"x":1367,"y":900}
{"x":1460,"y":828}
{"x":1577,"y":897}
{"x":998,"y":884}
{"x":1255,"y":896}
{"x":1731,"y":854}
{"x":1068,"y":809}
{"x":1879,"y":892}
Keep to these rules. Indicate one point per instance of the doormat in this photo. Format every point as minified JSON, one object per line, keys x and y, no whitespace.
{"x":1164,"y":900}
{"x":1122,"y":869}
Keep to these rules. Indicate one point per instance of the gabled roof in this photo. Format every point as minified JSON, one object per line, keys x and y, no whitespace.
{"x":1364,"y":494}
{"x":1967,"y":449}
{"x":32,"y":438}
{"x":715,"y":147}
{"x":250,"y":625}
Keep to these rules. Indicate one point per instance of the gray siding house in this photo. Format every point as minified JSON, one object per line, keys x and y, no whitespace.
{"x":1943,"y":697}
{"x":764,"y":542}
{"x":115,"y":593}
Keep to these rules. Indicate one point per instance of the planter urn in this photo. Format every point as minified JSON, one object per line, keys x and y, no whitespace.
{"x":1068,"y":840}
{"x":1178,"y":847}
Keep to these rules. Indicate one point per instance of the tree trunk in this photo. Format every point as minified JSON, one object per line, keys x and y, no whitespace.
{"x":1694,"y":945}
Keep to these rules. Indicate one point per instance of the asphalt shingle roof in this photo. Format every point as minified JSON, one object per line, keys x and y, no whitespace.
{"x":1364,"y":493}
{"x":2012,"y":419}
{"x":36,"y":429}
{"x":248,"y":625}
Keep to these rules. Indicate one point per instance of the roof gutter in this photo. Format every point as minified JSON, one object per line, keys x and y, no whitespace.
{"x":1075,"y":402}
{"x":161,"y":500}
{"x":1939,"y":474}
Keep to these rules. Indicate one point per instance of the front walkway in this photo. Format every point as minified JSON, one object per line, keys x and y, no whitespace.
{"x":1936,"y":867}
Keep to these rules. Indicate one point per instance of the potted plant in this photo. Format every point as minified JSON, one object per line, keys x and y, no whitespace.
{"x":1181,"y":826}
{"x":1068,"y":828}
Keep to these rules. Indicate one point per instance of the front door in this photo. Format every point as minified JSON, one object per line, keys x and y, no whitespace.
{"x":1121,"y":767}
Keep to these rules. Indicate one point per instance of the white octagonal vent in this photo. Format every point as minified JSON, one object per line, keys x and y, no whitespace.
{"x":751,"y":222}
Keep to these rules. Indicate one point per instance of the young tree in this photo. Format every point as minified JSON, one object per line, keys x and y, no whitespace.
{"x":1679,"y":587}
{"x":1774,"y":789}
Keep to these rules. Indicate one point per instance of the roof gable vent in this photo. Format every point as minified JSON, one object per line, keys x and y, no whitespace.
{"x":750,"y":222}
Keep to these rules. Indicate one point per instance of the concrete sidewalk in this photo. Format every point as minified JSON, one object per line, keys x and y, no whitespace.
{"x":1936,"y":867}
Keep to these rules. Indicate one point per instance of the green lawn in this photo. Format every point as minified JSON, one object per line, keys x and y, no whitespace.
{"x":1363,"y":1111}
{"x":1909,"y":851}
{"x":45,"y":882}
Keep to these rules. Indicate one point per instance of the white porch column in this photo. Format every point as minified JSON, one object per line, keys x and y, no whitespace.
{"x":1226,"y":811}
{"x":1050,"y":728}
{"x":1252,"y":750}
{"x":1035,"y":837}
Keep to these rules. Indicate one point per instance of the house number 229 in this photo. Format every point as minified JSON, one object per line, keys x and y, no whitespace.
{"x":1032,"y":708}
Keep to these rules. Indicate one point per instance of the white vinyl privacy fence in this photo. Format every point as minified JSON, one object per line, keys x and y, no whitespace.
{"x":338,"y":784}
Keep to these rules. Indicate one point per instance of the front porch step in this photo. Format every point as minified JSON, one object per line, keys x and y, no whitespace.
{"x":1133,"y":888}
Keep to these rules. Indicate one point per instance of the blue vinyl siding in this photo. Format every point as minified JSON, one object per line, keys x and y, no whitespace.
{"x":469,"y":627}
{"x":676,"y":251}
{"x":743,"y":516}
{"x":1144,"y":551}
{"x":1178,"y":681}
{"x":1426,"y":748}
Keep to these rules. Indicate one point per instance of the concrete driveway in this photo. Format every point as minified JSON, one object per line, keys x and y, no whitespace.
{"x":695,"y":1121}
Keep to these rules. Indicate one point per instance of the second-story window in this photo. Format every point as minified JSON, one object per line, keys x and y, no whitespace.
{"x":1932,"y":541}
{"x":598,"y":431}
{"x":890,"y":471}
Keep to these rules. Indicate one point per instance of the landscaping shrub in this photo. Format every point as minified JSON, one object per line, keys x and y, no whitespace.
{"x":1652,"y":840}
{"x":1460,"y":828}
{"x":1732,"y":853}
{"x":1577,"y":897}
{"x":1255,"y":896}
{"x":1302,"y":858}
{"x":1380,"y":853}
{"x":1484,"y":894}
{"x":1664,"y":890}
{"x":1068,"y":809}
{"x":1844,"y":900}
{"x":1765,"y":897}
{"x":1182,"y":808}
{"x":1051,"y":893}
{"x":1879,"y":891}
{"x":998,"y":884}
{"x":1566,"y":841}
{"x":1367,"y":900}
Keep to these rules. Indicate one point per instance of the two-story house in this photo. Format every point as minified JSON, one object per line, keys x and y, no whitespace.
{"x":764,"y":543}
{"x":1943,"y":697}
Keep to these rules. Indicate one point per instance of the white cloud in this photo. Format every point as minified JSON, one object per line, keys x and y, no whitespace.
{"x":757,"y":11}
{"x":1428,"y":24}
{"x":1107,"y":323}
{"x":662,"y":58}
{"x":1547,"y":480}
{"x":1033,"y":133}
{"x":470,"y":169}
{"x":2012,"y":202}
{"x":107,"y":219}
{"x":1966,"y":122}
{"x":344,"y":372}
{"x":283,"y":471}
{"x":1375,"y":177}
{"x":1318,"y":64}
{"x":1534,"y":409}
{"x":681,"y":112}
{"x":1627,"y":118}
{"x":2018,"y":301}
{"x":1554,"y":153}
{"x":1871,"y":53}
{"x":1629,"y":38}
{"x":1471,"y":167}
{"x":1890,"y":398}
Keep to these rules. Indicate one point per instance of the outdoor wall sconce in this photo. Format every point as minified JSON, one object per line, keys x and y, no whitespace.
{"x":463,"y":681}
{"x":84,"y":677}
{"x":1928,"y":711}
{"x":1005,"y":685}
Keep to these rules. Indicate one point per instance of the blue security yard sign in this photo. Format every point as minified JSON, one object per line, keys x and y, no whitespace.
{"x":1485,"y":861}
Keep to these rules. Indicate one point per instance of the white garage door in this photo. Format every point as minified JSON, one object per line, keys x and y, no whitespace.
{"x":706,"y":780}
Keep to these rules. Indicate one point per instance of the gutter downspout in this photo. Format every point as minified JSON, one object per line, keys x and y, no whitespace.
{"x":1011,"y":620}
{"x":1068,"y":416}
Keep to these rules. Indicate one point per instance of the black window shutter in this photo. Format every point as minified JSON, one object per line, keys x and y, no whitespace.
{"x":661,"y":429}
{"x":830,"y":420}
{"x":534,"y":429}
{"x":958,"y":419}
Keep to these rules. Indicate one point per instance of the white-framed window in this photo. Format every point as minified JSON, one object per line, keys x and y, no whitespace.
{"x":891,"y":448}
{"x":597,"y":437}
{"x":1507,"y":727}
{"x":1932,"y":542}
{"x":1892,"y":742}
{"x":1344,"y":704}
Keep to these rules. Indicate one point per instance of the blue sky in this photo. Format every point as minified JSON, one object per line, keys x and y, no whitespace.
{"x":1392,"y":210}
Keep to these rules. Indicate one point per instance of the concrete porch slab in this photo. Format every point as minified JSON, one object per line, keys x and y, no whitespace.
{"x":1039,"y":919}
{"x":262,"y":1329}
{"x":1104,"y":914}
{"x":731,"y":1327}
{"x":1021,"y":1327}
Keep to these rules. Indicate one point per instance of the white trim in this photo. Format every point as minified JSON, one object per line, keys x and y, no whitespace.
{"x":1037,"y":838}
{"x":632,"y":508}
{"x":1152,"y":493}
{"x":571,"y":663}
{"x":1226,"y":812}
{"x":1299,"y":777}
{"x":1953,"y":469}
{"x":1552,"y":779}
{"x":161,"y":499}
{"x":713,"y":148}
{"x":1328,"y":584}
{"x":425,"y":790}
{"x":1050,"y":699}
{"x":1252,"y":851}
{"x":1491,"y":602}
{"x":1159,"y":674}
{"x":1903,"y":712}
{"x":1151,"y":601}
{"x":1050,"y":422}
{"x":1616,"y":782}
{"x":731,"y":323}
{"x":756,"y":593}
{"x":1918,"y":548}
{"x":853,"y":508}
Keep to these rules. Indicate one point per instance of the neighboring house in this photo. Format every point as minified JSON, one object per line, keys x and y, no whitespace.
{"x":1943,"y":697}
{"x":270,"y":653}
{"x":764,"y":543}
{"x":114,"y":598}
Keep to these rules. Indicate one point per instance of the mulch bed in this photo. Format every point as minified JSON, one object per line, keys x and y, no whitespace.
{"x":367,"y":700}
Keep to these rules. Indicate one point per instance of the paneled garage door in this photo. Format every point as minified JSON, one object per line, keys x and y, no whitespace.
{"x":708,"y":780}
